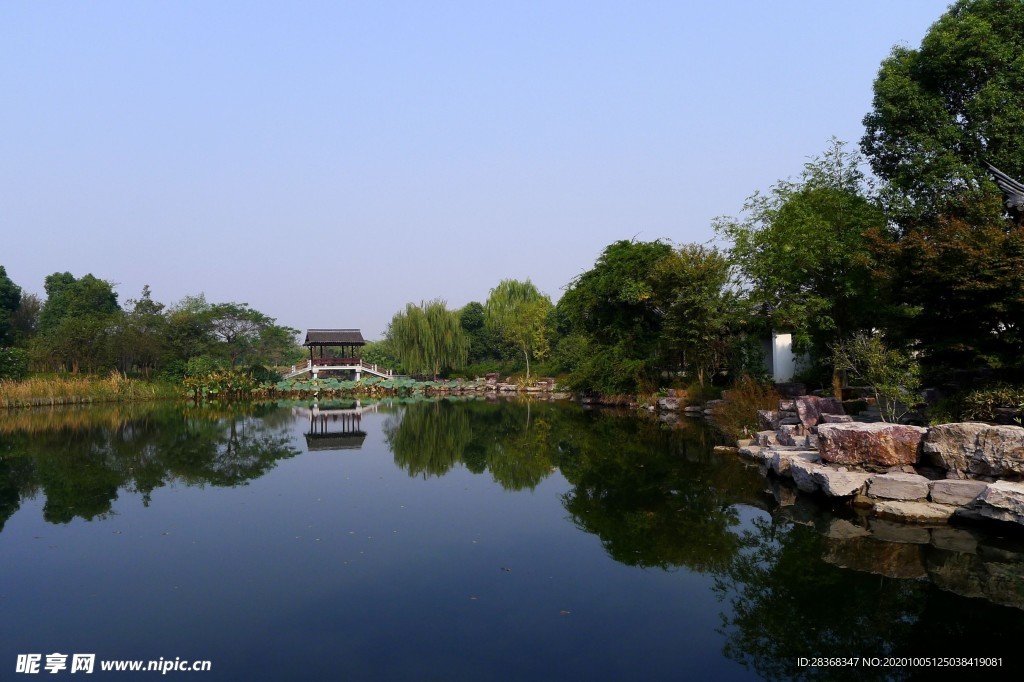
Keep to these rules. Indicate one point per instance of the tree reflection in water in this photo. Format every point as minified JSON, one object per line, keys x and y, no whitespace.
{"x":79,"y":459}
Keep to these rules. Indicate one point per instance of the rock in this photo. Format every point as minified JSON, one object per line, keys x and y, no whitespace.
{"x":803,"y":473}
{"x":788,"y":421}
{"x":956,"y":492}
{"x":560,"y":396}
{"x":725,"y":450}
{"x":1003,"y":501}
{"x":693,"y":410}
{"x":781,"y":460}
{"x":810,"y":408}
{"x":766,"y":438}
{"x":835,"y":419}
{"x":811,"y":441}
{"x":838,"y":482}
{"x":974,"y":449}
{"x":768,"y":420}
{"x":751,"y":451}
{"x":668,"y":404}
{"x":788,"y":434}
{"x":913,"y":512}
{"x":879,"y":444}
{"x":898,"y":486}
{"x":787,"y":406}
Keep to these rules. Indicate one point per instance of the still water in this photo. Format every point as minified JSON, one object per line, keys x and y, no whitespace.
{"x":460,"y":541}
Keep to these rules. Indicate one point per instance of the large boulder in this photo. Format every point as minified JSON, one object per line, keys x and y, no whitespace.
{"x":810,"y":408}
{"x":877,"y":444}
{"x":970,"y":449}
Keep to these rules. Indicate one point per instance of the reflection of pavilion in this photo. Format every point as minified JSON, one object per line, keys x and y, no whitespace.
{"x":335,"y":428}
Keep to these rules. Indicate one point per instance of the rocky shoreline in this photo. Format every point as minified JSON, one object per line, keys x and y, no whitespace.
{"x":910,"y":474}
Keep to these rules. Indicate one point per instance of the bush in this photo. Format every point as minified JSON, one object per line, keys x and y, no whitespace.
{"x":894,"y":376}
{"x":737,"y":416}
{"x":13,"y":363}
{"x":981,"y":404}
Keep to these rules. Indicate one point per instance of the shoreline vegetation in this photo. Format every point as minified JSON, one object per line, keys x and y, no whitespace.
{"x":81,"y":390}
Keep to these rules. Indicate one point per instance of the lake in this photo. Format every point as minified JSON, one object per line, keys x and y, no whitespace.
{"x":460,"y":540}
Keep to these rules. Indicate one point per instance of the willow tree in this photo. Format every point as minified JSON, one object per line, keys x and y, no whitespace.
{"x":519,"y":312}
{"x":429,"y":337}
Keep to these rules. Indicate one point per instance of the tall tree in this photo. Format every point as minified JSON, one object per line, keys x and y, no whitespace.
{"x":141,"y":334}
{"x":941,"y":110}
{"x":10,"y":301}
{"x":693,"y":286}
{"x":519,"y":312}
{"x":609,"y":321}
{"x":428,"y":338}
{"x":77,"y":321}
{"x":804,"y":252}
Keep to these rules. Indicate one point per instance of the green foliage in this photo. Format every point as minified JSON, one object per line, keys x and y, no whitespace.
{"x":802,"y":250}
{"x":609,"y":323}
{"x":979,"y":404}
{"x":941,"y":110}
{"x":381,"y":353}
{"x":484,"y":344}
{"x":77,"y":323}
{"x":13,"y":363}
{"x":692,"y":288}
{"x":894,"y":376}
{"x":519,"y":312}
{"x":428,"y":338}
{"x":10,"y":301}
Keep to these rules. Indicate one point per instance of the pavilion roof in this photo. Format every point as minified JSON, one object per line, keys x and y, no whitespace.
{"x":334,"y":337}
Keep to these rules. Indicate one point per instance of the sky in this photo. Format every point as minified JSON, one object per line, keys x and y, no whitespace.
{"x":329,"y":162}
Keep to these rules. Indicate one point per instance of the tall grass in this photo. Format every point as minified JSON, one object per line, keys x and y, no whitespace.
{"x":736,"y":417}
{"x":78,"y":390}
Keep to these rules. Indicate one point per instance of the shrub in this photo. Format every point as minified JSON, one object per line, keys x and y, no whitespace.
{"x":13,"y":363}
{"x":737,"y":416}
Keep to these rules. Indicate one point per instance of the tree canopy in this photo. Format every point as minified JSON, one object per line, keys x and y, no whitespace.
{"x":519,"y":312}
{"x":428,"y":337}
{"x":10,"y":301}
{"x":940,"y":111}
{"x":803,"y":251}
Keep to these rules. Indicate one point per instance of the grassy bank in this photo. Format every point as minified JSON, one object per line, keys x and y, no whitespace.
{"x":80,"y":390}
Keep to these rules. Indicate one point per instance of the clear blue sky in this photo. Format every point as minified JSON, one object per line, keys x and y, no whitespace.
{"x":328,"y":162}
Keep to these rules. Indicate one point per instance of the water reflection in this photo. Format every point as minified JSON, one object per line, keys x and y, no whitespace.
{"x":79,"y":459}
{"x":793,"y":579}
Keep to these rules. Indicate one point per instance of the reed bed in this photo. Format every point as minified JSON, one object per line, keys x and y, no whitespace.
{"x":80,"y":390}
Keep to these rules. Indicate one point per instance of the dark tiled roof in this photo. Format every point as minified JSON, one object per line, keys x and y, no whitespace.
{"x":334,"y":337}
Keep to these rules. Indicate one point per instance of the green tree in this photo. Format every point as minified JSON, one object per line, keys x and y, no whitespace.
{"x":804,"y":252}
{"x":693,"y":286}
{"x":428,"y":338}
{"x":77,"y":322}
{"x":609,"y":322}
{"x":894,"y":376}
{"x":483,"y":344}
{"x":25,"y":320}
{"x":190,"y":329}
{"x":141,"y":335}
{"x":519,"y":312}
{"x":942,"y":110}
{"x":10,"y":301}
